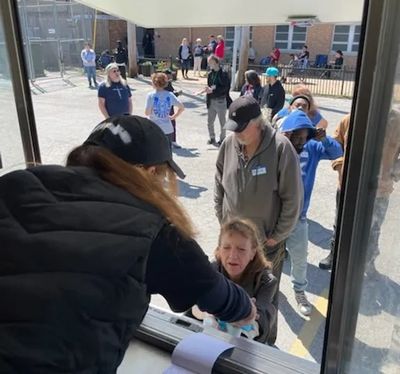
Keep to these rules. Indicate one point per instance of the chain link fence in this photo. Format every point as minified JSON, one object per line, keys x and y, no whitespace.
{"x":54,"y":34}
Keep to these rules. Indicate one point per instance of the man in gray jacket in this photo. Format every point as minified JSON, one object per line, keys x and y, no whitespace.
{"x":258,"y":178}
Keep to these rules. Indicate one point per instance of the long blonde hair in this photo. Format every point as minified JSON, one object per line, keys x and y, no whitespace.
{"x":249,"y":230}
{"x":137,"y":181}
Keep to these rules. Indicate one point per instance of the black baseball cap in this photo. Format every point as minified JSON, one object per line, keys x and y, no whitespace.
{"x":136,"y":140}
{"x":241,"y":112}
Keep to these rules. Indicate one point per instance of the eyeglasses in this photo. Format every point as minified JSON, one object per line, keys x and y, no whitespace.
{"x":115,"y":71}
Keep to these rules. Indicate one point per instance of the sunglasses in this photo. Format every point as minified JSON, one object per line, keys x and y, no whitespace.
{"x":115,"y":71}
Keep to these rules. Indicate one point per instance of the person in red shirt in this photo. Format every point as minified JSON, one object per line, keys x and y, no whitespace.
{"x":275,"y":56}
{"x":220,"y":49}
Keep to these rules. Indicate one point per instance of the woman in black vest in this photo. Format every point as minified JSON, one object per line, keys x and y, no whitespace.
{"x":84,"y":246}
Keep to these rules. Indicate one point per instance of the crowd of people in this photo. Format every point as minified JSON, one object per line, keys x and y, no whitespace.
{"x":300,"y":123}
{"x":87,"y":244}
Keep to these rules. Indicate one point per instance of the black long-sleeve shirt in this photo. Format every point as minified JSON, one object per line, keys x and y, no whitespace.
{"x":274,"y":97}
{"x":180,"y":271}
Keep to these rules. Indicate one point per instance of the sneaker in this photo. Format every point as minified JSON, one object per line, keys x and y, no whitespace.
{"x":326,"y":263}
{"x":303,"y":304}
{"x":211,"y":141}
{"x":176,"y":145}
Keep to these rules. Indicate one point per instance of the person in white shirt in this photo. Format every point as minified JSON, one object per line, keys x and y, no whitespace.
{"x":159,"y":103}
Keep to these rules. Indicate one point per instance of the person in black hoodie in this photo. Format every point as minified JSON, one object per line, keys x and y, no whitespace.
{"x":121,"y":58}
{"x":84,"y":246}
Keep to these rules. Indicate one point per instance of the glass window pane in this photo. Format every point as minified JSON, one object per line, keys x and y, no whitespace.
{"x":299,"y":29}
{"x":282,"y":36}
{"x":354,"y":48}
{"x":343,"y":29}
{"x":281,"y":45}
{"x":229,"y":32}
{"x":356,"y":38}
{"x":341,"y":46}
{"x":282,"y":28}
{"x":11,"y":151}
{"x":377,"y":338}
{"x":357,"y":29}
{"x":297,"y":45}
{"x":299,"y":37}
{"x":340,"y":38}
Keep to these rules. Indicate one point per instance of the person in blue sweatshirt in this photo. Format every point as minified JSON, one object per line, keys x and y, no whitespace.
{"x":312,"y":145}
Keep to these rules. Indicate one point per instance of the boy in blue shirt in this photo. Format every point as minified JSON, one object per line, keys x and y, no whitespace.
{"x":312,"y":145}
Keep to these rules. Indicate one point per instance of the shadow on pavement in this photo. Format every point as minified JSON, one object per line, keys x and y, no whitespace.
{"x":191,"y":104}
{"x":379,"y":293}
{"x":370,"y":360}
{"x":333,"y":110}
{"x":186,"y":152}
{"x":318,"y":279}
{"x":319,"y":235}
{"x":296,"y":324}
{"x":189,"y":190}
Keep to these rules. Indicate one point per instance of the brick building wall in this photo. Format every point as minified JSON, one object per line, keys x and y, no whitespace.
{"x":117,"y":31}
{"x":263,"y":40}
{"x":167,"y":40}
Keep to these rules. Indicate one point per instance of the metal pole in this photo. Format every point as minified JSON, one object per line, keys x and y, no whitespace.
{"x":19,"y":77}
{"x":24,"y":18}
{"x":236,"y":42}
{"x":343,"y":75}
{"x":94,"y":29}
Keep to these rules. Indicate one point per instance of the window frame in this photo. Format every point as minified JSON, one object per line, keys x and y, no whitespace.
{"x":251,"y":30}
{"x":290,"y":40}
{"x":350,"y":39}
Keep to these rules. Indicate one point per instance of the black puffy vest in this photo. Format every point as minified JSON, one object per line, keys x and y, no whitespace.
{"x":73,"y":254}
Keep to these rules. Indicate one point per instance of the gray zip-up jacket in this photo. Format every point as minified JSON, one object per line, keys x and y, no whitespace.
{"x":267,"y":189}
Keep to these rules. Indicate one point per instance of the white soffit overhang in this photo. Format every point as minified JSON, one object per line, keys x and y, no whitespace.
{"x":193,"y":13}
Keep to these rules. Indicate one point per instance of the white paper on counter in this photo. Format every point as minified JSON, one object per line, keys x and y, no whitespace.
{"x":196,"y":354}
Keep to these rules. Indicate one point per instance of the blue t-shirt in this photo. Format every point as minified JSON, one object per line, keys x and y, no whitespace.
{"x":315,"y":120}
{"x":116,"y":97}
{"x":160,"y":103}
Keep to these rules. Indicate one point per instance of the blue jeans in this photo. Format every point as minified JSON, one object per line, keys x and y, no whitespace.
{"x":297,"y":246}
{"x":91,"y":74}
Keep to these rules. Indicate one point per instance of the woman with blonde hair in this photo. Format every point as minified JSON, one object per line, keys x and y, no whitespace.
{"x":114,"y":95}
{"x":185,"y":54}
{"x":84,"y":247}
{"x":198,"y":51}
{"x":240,"y":258}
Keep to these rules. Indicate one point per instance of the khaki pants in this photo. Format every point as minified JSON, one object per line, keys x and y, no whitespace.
{"x":276,"y":256}
{"x":197,"y":64}
{"x":217,"y":107}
